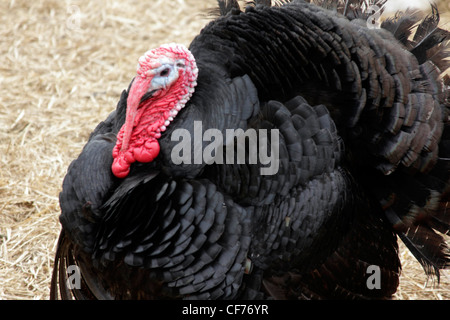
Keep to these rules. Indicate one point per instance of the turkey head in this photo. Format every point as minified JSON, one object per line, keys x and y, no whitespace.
{"x":165,"y":81}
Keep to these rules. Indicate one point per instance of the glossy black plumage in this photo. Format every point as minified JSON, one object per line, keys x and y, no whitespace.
{"x":364,"y":155}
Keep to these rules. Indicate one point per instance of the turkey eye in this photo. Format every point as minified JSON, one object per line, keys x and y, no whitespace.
{"x":165,"y":72}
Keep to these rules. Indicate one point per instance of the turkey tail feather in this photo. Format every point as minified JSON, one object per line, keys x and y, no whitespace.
{"x":429,"y":248}
{"x":224,"y":7}
{"x":54,"y":281}
{"x":61,"y":285}
{"x":59,"y":281}
{"x":424,"y":226}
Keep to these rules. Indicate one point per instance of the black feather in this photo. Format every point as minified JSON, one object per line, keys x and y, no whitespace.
{"x":225,"y":7}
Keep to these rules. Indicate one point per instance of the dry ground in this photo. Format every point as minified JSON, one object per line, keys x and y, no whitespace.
{"x":63,"y":67}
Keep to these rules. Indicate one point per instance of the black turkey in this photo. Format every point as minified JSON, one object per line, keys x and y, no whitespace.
{"x":362,"y":119}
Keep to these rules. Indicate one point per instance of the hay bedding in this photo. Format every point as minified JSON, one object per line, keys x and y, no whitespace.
{"x":63,"y":67}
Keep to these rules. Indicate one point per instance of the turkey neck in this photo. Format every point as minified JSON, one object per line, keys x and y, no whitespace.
{"x":219,"y":103}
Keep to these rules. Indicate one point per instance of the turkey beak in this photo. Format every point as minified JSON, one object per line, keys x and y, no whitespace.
{"x":138,"y":93}
{"x":147,"y":95}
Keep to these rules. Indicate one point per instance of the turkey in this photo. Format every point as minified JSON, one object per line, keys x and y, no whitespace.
{"x":160,"y":204}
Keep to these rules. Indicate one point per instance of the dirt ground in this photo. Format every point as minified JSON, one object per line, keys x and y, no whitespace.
{"x":64,"y":65}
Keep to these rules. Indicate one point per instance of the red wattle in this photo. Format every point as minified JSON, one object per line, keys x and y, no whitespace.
{"x":147,"y":152}
{"x":143,"y":145}
{"x":120,"y":167}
